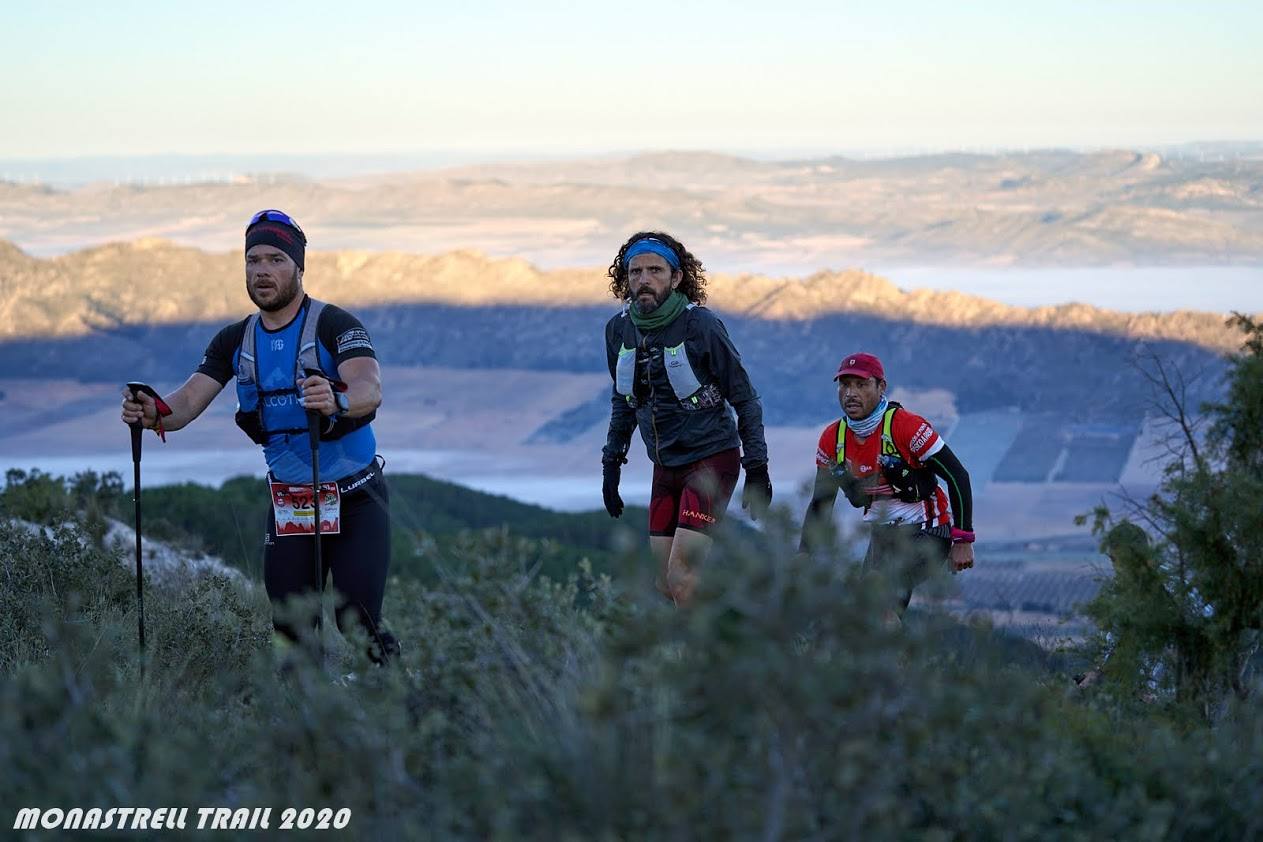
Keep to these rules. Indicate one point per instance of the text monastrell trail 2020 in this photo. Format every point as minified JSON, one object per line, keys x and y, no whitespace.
{"x":181,"y":818}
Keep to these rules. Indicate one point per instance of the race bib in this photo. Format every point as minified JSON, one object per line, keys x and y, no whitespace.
{"x":295,"y":509}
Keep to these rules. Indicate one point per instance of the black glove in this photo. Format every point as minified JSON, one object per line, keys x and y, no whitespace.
{"x":611,"y":472}
{"x":852,"y":486}
{"x":756,"y":496}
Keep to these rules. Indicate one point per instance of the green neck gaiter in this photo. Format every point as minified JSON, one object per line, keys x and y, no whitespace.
{"x":676,"y":303}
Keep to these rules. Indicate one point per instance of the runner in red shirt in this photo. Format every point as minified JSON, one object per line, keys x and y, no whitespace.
{"x":888,"y":461}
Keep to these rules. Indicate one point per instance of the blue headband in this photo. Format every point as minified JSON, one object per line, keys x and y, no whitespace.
{"x":648,"y":245}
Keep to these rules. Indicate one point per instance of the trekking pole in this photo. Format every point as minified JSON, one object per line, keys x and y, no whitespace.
{"x":136,"y":430}
{"x":313,"y":436}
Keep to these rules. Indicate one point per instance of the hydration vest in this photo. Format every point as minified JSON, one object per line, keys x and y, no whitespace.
{"x":910,"y":485}
{"x":635,"y":351}
{"x":250,"y":396}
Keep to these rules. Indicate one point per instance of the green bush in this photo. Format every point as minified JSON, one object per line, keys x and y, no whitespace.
{"x":40,"y":498}
{"x":50,"y":580}
{"x":779,"y":706}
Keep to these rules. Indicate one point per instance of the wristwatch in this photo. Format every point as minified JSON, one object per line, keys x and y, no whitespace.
{"x":343,"y":402}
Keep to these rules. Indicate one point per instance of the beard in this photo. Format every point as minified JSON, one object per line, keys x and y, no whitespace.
{"x":286,"y":292}
{"x":646,"y":308}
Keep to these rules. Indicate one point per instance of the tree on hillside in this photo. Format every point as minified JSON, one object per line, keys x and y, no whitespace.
{"x":1181,"y":618}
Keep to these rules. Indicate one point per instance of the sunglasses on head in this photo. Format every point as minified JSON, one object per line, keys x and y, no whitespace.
{"x":277,"y":216}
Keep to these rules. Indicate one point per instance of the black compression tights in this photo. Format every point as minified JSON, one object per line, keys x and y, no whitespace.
{"x":907,"y":556}
{"x":358,"y":558}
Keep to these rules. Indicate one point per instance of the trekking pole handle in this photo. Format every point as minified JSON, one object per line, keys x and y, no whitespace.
{"x":160,"y":406}
{"x":137,"y":388}
{"x":137,"y":427}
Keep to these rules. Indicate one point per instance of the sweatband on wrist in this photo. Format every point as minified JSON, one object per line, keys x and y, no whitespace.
{"x":962,"y":536}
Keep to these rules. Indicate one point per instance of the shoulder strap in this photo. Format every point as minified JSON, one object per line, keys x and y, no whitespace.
{"x":630,"y":331}
{"x":887,"y":437}
{"x":308,"y":355}
{"x":247,"y":366}
{"x":841,"y":450}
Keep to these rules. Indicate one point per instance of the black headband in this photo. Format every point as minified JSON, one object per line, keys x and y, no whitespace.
{"x":283,"y":237}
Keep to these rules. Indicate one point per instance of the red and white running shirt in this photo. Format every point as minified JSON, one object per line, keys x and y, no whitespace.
{"x":916,"y":441}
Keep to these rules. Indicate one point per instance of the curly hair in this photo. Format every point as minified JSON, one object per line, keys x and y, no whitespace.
{"x":693,"y":285}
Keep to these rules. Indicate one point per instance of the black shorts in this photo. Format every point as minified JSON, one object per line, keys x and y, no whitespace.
{"x":694,"y":496}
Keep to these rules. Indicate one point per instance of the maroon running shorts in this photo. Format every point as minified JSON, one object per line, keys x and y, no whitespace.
{"x":693,"y":496}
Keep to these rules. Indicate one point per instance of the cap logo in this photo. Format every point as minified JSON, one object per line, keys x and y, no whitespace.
{"x":851,"y":361}
{"x":282,"y":233}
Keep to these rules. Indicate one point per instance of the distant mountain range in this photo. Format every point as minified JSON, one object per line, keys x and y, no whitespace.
{"x":187,"y":168}
{"x":147,"y":309}
{"x":126,"y":286}
{"x":1042,"y":208}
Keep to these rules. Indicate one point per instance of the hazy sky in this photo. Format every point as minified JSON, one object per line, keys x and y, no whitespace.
{"x":310,"y":78}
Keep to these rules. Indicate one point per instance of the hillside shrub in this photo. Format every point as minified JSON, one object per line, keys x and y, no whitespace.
{"x":779,"y":706}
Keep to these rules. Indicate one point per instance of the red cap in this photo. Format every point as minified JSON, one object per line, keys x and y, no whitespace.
{"x":861,"y":365}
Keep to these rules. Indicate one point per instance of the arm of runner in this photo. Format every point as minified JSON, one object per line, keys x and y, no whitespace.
{"x":947,"y":467}
{"x":944,"y":464}
{"x":191,"y":399}
{"x":824,"y":494}
{"x":735,"y":385}
{"x":346,"y":339}
{"x":622,"y":416}
{"x":750,"y":430}
{"x":622,"y":425}
{"x":186,"y":402}
{"x":362,"y":379}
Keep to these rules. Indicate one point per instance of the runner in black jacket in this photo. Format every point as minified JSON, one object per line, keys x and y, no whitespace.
{"x":676,"y":373}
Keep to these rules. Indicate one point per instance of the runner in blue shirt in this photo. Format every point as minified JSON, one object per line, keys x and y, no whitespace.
{"x":293,"y":355}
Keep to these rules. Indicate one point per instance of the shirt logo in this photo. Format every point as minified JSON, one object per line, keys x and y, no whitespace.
{"x":278,"y":344}
{"x":354,"y":338}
